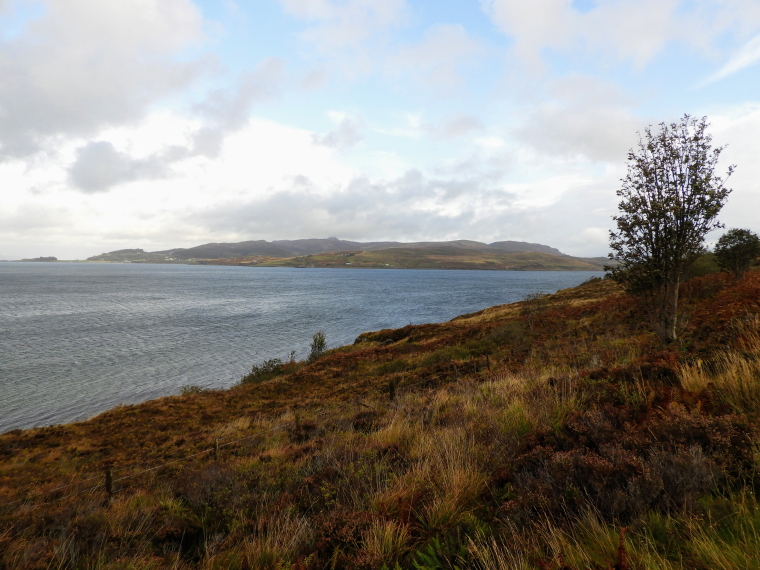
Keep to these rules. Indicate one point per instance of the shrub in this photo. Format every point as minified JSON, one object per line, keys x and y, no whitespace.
{"x":736,"y":250}
{"x":190,"y":389}
{"x":394,"y":366}
{"x":705,"y":264}
{"x":446,"y":354}
{"x":318,"y":345}
{"x":264,"y":371}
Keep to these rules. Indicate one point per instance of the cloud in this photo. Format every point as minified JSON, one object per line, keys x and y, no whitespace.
{"x":348,"y":24}
{"x":618,"y":30}
{"x":348,"y":133}
{"x":314,"y":80}
{"x":230,"y":108}
{"x":84,"y":65}
{"x":747,"y":55}
{"x":99,"y":166}
{"x":227,"y":110}
{"x":409,"y":205}
{"x":582,"y":117}
{"x":438,"y":57}
{"x":453,"y":126}
{"x":347,"y":35}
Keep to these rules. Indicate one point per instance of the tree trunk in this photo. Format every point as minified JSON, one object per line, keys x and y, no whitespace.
{"x":670,"y":313}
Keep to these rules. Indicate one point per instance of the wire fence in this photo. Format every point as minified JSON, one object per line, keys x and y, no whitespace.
{"x":106,"y":480}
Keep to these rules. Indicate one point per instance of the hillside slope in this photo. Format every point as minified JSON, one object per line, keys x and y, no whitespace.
{"x":432,"y":257}
{"x":520,"y":436}
{"x":305,"y":247}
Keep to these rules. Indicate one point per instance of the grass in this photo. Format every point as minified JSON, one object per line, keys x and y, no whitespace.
{"x":583,"y":424}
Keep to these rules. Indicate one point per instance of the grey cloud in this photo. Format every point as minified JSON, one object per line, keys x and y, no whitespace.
{"x":99,"y":166}
{"x":454,"y":126}
{"x":229,"y":108}
{"x":32,"y":219}
{"x":417,"y":207}
{"x":346,"y":134}
{"x":83,"y":66}
{"x":314,"y":80}
{"x":584,"y":117}
{"x":402,"y":208}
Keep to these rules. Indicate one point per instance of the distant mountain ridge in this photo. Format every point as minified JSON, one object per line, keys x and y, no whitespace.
{"x":298,"y":247}
{"x":462,"y":254}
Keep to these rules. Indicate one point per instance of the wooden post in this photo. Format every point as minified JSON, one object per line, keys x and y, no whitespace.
{"x":109,"y":482}
{"x":488,"y":363}
{"x":216,"y":449}
{"x":298,"y":424}
{"x":392,"y":389}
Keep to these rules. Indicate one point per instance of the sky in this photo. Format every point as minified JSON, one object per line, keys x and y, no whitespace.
{"x":171,"y":123}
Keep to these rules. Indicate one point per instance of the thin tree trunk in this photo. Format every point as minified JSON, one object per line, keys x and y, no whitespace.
{"x":671,"y":310}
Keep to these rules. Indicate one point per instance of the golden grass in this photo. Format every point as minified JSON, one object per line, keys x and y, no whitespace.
{"x":734,"y":376}
{"x":683,"y":542}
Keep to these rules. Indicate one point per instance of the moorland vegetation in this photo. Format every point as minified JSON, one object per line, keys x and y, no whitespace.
{"x":523,"y":436}
{"x":565,"y":432}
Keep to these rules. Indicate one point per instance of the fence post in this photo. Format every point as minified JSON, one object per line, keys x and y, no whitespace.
{"x":298,"y":424}
{"x":216,"y":449}
{"x":488,"y":362}
{"x":109,"y":482}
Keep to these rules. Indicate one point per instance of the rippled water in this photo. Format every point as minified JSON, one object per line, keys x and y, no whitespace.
{"x":77,"y":339}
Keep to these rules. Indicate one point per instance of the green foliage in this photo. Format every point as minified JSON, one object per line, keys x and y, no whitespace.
{"x":318,"y":345}
{"x":264,"y":371}
{"x":435,"y":556}
{"x":705,"y":264}
{"x":394,"y":366}
{"x":533,"y":305}
{"x":446,"y":354}
{"x":736,"y":250}
{"x":480,"y":346}
{"x":670,"y":200}
{"x":190,"y":389}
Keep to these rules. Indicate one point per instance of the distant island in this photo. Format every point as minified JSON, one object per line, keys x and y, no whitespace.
{"x":42,"y":259}
{"x":336,"y":253}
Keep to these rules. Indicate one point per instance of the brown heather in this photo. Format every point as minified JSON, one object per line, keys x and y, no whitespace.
{"x":557,"y":433}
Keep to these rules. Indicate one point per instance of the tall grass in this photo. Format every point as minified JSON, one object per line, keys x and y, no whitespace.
{"x":734,"y":376}
{"x":725,"y":536}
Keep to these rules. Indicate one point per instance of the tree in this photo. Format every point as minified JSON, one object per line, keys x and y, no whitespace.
{"x":671,"y":198}
{"x":318,"y":345}
{"x":736,"y":250}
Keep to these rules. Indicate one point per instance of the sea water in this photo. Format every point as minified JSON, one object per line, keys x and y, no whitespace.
{"x":79,"y":338}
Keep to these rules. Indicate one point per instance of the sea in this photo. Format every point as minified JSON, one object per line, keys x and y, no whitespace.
{"x":77,"y":339}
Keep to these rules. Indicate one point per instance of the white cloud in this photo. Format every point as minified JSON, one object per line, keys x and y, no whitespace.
{"x":347,"y":133}
{"x":86,"y":64}
{"x":747,"y":55}
{"x":340,"y":31}
{"x":737,"y":128}
{"x":619,"y":30}
{"x":438,"y":57}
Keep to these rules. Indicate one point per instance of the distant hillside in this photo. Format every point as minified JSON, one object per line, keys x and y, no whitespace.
{"x":430,"y":257}
{"x":300,"y":247}
{"x":42,"y":259}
